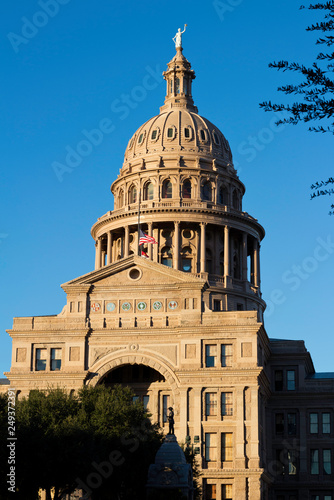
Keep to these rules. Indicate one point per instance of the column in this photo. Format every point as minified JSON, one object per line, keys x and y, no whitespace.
{"x":103,"y":258}
{"x":183,"y":415}
{"x":176,"y":244}
{"x":256,"y":264}
{"x":226,"y":252}
{"x":98,"y":254}
{"x":244,"y":256}
{"x":239,"y":438}
{"x":156,"y":247}
{"x":254,"y":459}
{"x":150,"y":252}
{"x":126,"y":241}
{"x":202,"y":269}
{"x":109,"y":247}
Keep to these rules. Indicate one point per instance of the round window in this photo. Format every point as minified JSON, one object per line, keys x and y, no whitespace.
{"x":187,"y":234}
{"x":135,"y":273}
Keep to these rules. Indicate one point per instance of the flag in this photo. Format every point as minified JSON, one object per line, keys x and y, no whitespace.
{"x":144,"y":254}
{"x":145,"y":238}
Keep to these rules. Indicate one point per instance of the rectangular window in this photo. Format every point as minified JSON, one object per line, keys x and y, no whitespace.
{"x":165,"y":406}
{"x":227,"y":446}
{"x":279,"y":423}
{"x":210,"y":404}
{"x":40,"y":360}
{"x":226,"y":352}
{"x":135,"y":399}
{"x":292,"y":424}
{"x":210,"y":446}
{"x":227,"y":403}
{"x":145,"y":401}
{"x":278,"y":380}
{"x":210,"y":355}
{"x":55,"y":359}
{"x":292,"y":461}
{"x":327,"y":461}
{"x":328,"y":497}
{"x":314,"y":461}
{"x":326,"y":423}
{"x":227,"y":491}
{"x":291,"y":380}
{"x":279,"y":462}
{"x":313,"y":423}
{"x":216,"y":305}
{"x":210,"y":492}
{"x":315,"y":497}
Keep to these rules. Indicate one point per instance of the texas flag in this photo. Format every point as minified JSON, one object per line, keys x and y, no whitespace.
{"x":144,"y":254}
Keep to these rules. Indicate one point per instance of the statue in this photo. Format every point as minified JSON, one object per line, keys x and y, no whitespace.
{"x":170,"y":418}
{"x":178,"y":37}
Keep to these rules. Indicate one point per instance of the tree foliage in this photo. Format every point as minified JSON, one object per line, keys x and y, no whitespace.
{"x":95,"y":440}
{"x":315,"y":92}
{"x":317,"y":88}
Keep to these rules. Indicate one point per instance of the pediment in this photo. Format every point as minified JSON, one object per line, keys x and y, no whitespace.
{"x":134,"y":271}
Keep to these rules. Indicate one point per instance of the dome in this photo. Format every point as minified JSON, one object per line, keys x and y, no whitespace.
{"x":178,"y":130}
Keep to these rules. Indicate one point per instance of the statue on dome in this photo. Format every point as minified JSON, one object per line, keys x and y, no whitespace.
{"x":178,"y":37}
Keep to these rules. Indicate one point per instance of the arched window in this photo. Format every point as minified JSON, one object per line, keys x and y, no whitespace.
{"x":208,"y":261}
{"x":206,"y":191}
{"x":177,"y":85}
{"x":167,"y":257}
{"x":186,"y":189}
{"x":235,"y":200}
{"x":120,"y":198}
{"x":167,"y":189}
{"x":148,"y":191}
{"x":223,"y":195}
{"x":186,"y":259}
{"x":132,"y":194}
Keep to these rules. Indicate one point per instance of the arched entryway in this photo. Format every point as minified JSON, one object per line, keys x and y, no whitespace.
{"x":153,"y":383}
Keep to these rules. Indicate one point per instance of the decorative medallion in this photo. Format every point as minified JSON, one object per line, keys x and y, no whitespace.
{"x":95,"y":306}
{"x":110,"y":306}
{"x":126,"y":306}
{"x":172,"y":304}
{"x":141,"y":306}
{"x":157,"y":305}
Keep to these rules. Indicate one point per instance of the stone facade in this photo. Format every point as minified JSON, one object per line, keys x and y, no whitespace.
{"x":183,"y":326}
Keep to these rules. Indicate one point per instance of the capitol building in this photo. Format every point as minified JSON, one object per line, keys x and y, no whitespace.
{"x":180,"y":318}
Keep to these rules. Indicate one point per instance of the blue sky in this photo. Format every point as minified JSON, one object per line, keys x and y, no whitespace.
{"x":66,"y":76}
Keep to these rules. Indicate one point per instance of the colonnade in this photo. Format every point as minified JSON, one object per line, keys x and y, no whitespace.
{"x":106,"y":253}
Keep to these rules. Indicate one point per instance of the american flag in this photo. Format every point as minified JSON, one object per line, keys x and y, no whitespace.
{"x":145,"y":238}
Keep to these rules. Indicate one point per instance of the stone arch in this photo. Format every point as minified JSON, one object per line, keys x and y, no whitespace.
{"x":111,"y":362}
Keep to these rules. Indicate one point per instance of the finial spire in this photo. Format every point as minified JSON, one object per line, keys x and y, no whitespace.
{"x":178,"y":37}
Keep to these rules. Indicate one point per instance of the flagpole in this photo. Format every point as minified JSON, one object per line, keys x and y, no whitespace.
{"x":139,"y":252}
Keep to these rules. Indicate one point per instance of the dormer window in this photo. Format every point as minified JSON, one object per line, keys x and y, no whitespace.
{"x":171,"y":133}
{"x":154,"y":135}
{"x":202,"y":135}
{"x":215,"y":138}
{"x":141,"y":138}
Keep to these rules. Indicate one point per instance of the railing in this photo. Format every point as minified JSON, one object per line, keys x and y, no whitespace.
{"x":176,"y":204}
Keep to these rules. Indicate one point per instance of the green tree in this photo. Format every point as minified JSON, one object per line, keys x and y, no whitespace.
{"x":96,"y":440}
{"x":315,"y":92}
